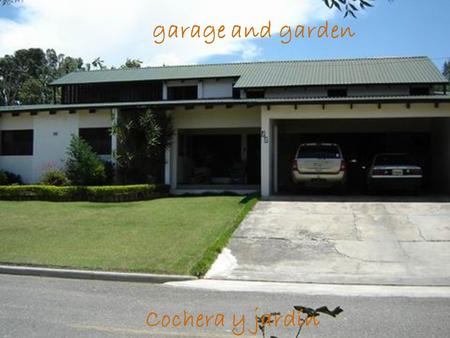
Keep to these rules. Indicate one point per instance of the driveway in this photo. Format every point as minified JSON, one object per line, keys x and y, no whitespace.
{"x":341,"y":242}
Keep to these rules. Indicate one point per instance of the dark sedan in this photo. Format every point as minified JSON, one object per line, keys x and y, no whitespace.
{"x":394,"y":172}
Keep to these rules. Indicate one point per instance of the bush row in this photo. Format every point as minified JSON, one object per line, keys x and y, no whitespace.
{"x":117,"y":193}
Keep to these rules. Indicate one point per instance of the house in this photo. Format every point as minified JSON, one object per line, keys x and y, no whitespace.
{"x":237,"y":125}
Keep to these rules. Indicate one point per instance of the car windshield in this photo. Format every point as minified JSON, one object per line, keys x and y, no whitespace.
{"x":393,"y":159}
{"x":318,"y":151}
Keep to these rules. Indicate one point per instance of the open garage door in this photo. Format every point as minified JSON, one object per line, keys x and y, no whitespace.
{"x":424,"y":139}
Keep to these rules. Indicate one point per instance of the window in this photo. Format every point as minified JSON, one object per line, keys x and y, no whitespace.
{"x":337,"y":92}
{"x":98,"y":138}
{"x":419,"y":91}
{"x":17,"y":142}
{"x":182,"y":93}
{"x":236,"y":93}
{"x":255,"y":94}
{"x":318,"y":151}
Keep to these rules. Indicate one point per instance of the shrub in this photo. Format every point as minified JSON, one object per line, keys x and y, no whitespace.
{"x":83,"y":166}
{"x":80,"y":193}
{"x":54,"y":177}
{"x":8,"y":178}
{"x":3,"y":178}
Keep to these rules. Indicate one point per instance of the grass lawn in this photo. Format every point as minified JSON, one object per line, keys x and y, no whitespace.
{"x":180,"y":235}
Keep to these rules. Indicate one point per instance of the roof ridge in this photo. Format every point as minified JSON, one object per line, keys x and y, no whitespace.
{"x":262,"y":62}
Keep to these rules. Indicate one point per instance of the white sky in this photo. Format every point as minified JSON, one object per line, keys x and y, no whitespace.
{"x":117,"y":30}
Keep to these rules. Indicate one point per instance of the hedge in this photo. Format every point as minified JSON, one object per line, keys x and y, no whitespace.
{"x":115,"y":193}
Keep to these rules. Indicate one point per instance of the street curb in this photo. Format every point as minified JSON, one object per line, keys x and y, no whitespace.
{"x":94,"y":275}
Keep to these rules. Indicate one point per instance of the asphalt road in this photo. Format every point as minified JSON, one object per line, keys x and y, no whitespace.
{"x":45,"y":307}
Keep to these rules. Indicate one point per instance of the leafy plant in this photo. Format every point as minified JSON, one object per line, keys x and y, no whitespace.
{"x":9,"y":178}
{"x":55,"y":177}
{"x":143,"y":136}
{"x":350,"y":7}
{"x":83,"y":166}
{"x":79,"y":193}
{"x":446,"y":71}
{"x":3,"y":178}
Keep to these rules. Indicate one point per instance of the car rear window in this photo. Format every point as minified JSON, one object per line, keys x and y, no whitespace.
{"x":394,"y":160}
{"x":318,"y":152}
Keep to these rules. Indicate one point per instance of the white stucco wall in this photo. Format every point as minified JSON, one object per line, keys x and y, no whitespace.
{"x":220,"y":88}
{"x":51,"y":136}
{"x":218,"y":117}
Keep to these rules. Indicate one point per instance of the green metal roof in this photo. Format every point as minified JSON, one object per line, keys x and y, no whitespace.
{"x":251,"y":102}
{"x":387,"y":70}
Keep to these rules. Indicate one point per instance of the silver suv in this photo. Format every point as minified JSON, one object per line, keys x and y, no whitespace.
{"x":319,"y":164}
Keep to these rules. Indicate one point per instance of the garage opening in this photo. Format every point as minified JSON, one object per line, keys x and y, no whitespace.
{"x":426,"y":140}
{"x":219,"y":159}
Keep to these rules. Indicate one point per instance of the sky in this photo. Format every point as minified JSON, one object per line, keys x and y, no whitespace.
{"x":117,"y":30}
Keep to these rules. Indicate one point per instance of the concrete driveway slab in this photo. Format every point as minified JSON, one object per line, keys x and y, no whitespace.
{"x":341,"y":242}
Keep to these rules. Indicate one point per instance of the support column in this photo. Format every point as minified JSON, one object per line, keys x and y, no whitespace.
{"x":167,"y":173}
{"x":266,"y":156}
{"x":275,"y":157}
{"x":174,"y":160}
{"x":114,"y":120}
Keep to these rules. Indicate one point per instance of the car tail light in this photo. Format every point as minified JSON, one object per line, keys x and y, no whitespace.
{"x":294,"y":165}
{"x":343,"y":165}
{"x":380,"y":172}
{"x":415,"y":172}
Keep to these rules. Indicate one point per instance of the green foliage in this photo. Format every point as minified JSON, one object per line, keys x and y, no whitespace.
{"x":9,"y":178}
{"x":9,"y":2}
{"x":82,"y":193}
{"x":83,"y":166}
{"x":349,"y":7}
{"x":54,"y":177}
{"x":446,"y":71}
{"x":26,"y":75}
{"x":132,"y":63}
{"x":3,"y":178}
{"x":143,"y":136}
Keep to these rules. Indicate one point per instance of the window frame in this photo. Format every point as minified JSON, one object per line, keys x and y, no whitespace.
{"x":22,"y":149}
{"x":184,"y":90}
{"x":97,"y":145}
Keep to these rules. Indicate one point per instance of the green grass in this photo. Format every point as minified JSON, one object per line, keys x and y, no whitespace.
{"x":180,"y":235}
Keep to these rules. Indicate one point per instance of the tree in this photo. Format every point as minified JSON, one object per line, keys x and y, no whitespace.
{"x":446,"y":71}
{"x":83,"y":166}
{"x":349,"y":6}
{"x":9,"y":2}
{"x":98,"y":63}
{"x":132,"y":63}
{"x":26,"y":75}
{"x":142,"y":136}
